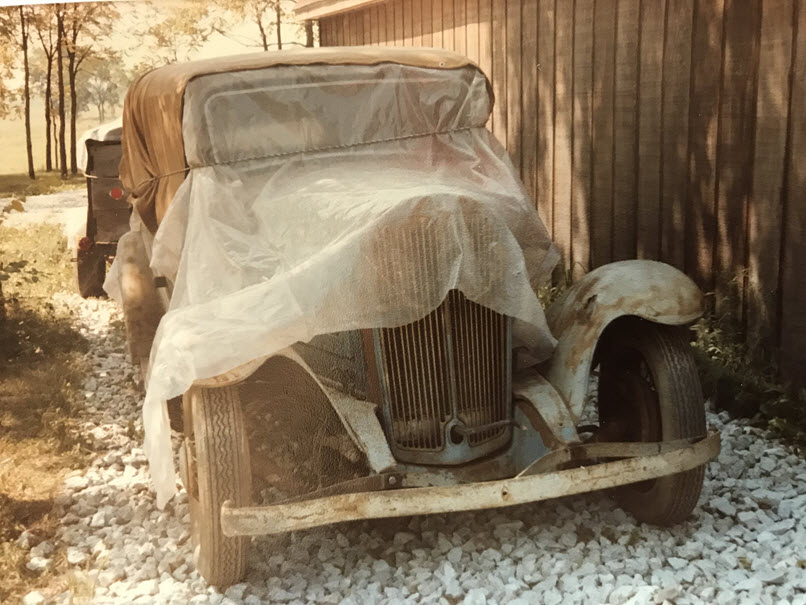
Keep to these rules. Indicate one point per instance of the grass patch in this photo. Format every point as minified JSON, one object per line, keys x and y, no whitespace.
{"x":20,"y":186}
{"x":41,"y":372}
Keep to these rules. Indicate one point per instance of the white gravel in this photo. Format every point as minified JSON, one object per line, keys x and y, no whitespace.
{"x":67,"y":208}
{"x":745,"y":543}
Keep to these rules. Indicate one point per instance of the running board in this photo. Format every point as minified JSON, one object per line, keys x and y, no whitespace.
{"x":279,"y":518}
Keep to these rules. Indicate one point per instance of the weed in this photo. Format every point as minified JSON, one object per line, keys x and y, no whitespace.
{"x":41,"y":372}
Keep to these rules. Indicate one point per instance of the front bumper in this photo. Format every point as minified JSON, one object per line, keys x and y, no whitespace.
{"x":305,"y":514}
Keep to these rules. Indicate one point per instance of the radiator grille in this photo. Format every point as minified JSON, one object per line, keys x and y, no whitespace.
{"x":452,"y":366}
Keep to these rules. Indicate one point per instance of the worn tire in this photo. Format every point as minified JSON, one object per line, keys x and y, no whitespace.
{"x":90,"y":272}
{"x":659,"y":357}
{"x":220,"y":471}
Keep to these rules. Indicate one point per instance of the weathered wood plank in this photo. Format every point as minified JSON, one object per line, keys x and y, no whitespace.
{"x":647,"y":208}
{"x":383,"y":38}
{"x":675,"y":120}
{"x":582,"y":141}
{"x":407,"y":24}
{"x":417,"y":22}
{"x":472,"y":30}
{"x":436,"y":23}
{"x":735,"y":145}
{"x":366,"y":15}
{"x":706,"y":62}
{"x":486,"y":38}
{"x":563,"y":129}
{"x":428,"y":27}
{"x":765,"y":204}
{"x":499,"y":69}
{"x":513,"y":56}
{"x":448,"y":24}
{"x":400,"y":35}
{"x":545,"y":113}
{"x":355,"y":36}
{"x":601,"y":198}
{"x":389,"y":8}
{"x":625,"y":127}
{"x":528,"y":95}
{"x":793,"y":276}
{"x":460,"y":27}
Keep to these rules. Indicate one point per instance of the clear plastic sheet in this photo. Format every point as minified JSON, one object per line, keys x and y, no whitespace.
{"x":330,"y":198}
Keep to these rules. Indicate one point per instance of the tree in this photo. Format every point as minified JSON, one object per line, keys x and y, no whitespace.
{"x":60,"y":79}
{"x":102,"y":84}
{"x":15,"y":26}
{"x":265,"y":14}
{"x":6,"y":61}
{"x":45,"y":25}
{"x":85,"y":24}
{"x":174,"y":34}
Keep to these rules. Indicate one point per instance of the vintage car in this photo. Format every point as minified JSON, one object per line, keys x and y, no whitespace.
{"x":334,"y":234}
{"x":107,"y":210}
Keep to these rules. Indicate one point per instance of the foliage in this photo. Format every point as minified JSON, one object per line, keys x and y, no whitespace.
{"x":174,"y":34}
{"x":40,"y":386}
{"x":102,"y":84}
{"x":743,"y":383}
{"x":266,"y":15}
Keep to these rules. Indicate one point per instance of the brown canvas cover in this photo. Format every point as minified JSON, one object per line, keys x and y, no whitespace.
{"x":153,"y":164}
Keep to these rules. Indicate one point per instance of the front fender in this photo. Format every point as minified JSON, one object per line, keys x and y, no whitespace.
{"x":648,"y":289}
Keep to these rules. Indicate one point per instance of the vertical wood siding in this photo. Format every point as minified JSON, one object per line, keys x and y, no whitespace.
{"x":662,"y":129}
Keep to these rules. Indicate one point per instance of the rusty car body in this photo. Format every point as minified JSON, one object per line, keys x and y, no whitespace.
{"x":446,"y":407}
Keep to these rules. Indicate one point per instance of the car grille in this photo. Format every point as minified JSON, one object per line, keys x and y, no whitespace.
{"x":446,"y":383}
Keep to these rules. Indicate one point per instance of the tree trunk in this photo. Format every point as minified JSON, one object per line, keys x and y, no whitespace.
{"x":309,"y":33}
{"x":71,"y":71}
{"x":259,"y":20}
{"x":279,"y":22}
{"x":27,"y":93}
{"x":2,"y":306}
{"x":48,"y":149}
{"x":60,"y":77}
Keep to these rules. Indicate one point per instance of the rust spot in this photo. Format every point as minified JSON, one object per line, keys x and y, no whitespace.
{"x":539,"y":425}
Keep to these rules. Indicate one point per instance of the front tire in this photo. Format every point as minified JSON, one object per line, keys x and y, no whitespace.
{"x":216,"y":469}
{"x":649,"y":390}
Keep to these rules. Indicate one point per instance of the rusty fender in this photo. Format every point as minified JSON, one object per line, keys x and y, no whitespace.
{"x":648,"y":289}
{"x":253,"y":521}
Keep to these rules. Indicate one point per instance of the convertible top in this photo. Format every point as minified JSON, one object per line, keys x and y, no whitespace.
{"x":154,"y":162}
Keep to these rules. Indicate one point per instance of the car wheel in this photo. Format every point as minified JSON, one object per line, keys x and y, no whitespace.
{"x":90,"y":272}
{"x":216,"y":468}
{"x":649,"y":390}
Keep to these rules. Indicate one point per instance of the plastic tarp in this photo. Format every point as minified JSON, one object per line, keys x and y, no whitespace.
{"x":331,"y":198}
{"x":153,"y":164}
{"x":110,"y":131}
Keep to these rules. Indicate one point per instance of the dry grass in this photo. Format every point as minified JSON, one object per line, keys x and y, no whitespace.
{"x":41,"y":369}
{"x":20,"y":186}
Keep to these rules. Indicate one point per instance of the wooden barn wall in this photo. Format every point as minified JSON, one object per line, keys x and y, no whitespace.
{"x":662,"y":129}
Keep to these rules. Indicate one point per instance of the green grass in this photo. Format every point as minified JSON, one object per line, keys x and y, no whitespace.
{"x":14,"y":159}
{"x":41,"y":372}
{"x":20,"y":186}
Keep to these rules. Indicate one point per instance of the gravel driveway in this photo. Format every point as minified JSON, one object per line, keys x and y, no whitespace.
{"x":745,"y":543}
